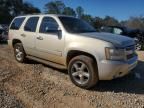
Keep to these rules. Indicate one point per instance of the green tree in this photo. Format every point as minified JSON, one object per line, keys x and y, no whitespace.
{"x":123,"y":23}
{"x":98,"y":22}
{"x":54,"y":7}
{"x":4,"y":11}
{"x":12,"y":8}
{"x":9,"y":9}
{"x":29,"y":8}
{"x":135,"y":22}
{"x":79,"y":11}
{"x":69,"y":11}
{"x":110,"y":21}
{"x":87,"y":18}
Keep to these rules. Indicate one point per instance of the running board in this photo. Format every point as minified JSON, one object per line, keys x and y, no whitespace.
{"x":47,"y":62}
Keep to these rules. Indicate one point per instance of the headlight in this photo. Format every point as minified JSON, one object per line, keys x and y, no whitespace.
{"x":115,"y":54}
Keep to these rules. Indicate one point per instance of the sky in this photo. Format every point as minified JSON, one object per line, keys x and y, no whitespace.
{"x":120,"y":9}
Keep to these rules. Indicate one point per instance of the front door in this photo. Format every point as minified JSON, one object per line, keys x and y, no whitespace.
{"x":49,"y":44}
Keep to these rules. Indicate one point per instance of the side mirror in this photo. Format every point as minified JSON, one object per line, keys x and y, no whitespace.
{"x":54,"y":30}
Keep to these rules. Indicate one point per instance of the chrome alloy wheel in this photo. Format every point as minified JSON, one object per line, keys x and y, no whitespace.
{"x":80,"y":72}
{"x":18,"y":53}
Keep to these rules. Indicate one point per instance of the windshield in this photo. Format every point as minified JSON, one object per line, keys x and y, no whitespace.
{"x":74,"y":25}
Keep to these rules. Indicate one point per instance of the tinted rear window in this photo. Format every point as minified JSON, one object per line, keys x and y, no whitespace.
{"x":31,"y":24}
{"x":16,"y":24}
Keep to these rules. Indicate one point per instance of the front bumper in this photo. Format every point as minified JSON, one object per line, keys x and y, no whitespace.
{"x":109,"y":70}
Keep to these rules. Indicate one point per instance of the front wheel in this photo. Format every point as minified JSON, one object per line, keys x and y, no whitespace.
{"x":83,"y":72}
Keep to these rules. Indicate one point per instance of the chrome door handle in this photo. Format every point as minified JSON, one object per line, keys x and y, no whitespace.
{"x":40,"y":38}
{"x":23,"y":35}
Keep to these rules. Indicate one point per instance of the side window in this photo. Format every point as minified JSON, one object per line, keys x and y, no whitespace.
{"x":31,"y":24}
{"x":16,"y":24}
{"x":48,"y":25}
{"x":117,"y":31}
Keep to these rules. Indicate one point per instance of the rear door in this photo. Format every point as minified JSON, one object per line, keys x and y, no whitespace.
{"x":29,"y":34}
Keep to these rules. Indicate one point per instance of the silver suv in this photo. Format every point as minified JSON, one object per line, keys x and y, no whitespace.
{"x":70,"y":43}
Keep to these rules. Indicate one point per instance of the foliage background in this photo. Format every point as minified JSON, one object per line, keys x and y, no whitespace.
{"x":11,"y":8}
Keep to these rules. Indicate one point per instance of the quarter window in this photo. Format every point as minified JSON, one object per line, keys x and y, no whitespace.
{"x":48,"y":25}
{"x":16,"y":24}
{"x":31,"y":24}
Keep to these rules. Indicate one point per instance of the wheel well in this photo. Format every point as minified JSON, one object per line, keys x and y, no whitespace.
{"x":16,"y":41}
{"x":75,"y":53}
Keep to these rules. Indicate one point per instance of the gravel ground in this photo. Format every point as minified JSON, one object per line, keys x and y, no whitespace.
{"x":8,"y":101}
{"x":34,"y":85}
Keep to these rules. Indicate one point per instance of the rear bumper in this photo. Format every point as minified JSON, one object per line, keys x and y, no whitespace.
{"x":114,"y":69}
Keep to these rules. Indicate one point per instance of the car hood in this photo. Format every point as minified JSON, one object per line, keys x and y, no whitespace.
{"x":116,"y":40}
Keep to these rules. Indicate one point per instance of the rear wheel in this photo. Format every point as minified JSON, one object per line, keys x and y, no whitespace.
{"x":83,"y":72}
{"x":19,"y":52}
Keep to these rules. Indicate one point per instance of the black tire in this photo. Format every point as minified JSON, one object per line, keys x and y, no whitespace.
{"x":139,"y":41}
{"x":22,"y":57}
{"x":139,"y":46}
{"x":92,"y":70}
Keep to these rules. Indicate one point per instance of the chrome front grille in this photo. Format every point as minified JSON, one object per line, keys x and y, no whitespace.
{"x":130,"y":52}
{"x":130,"y":48}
